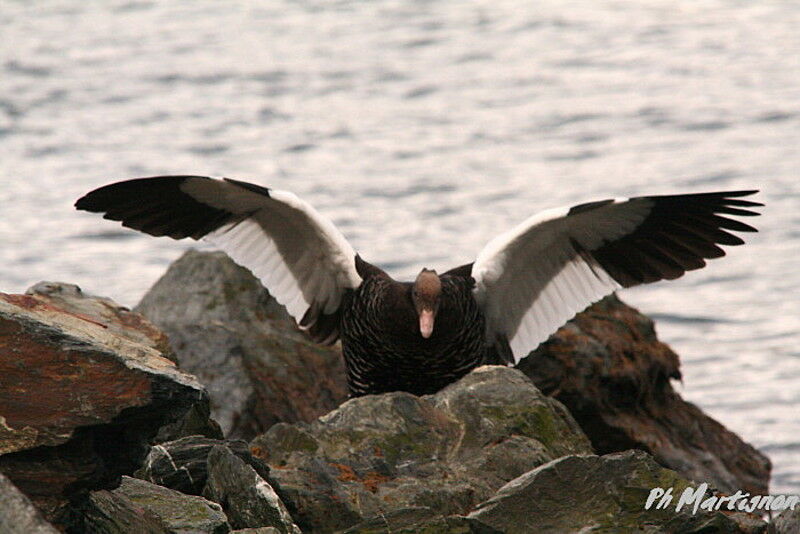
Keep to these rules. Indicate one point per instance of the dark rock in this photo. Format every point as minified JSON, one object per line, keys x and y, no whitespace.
{"x":248,"y":499}
{"x":18,"y":515}
{"x":108,"y":512}
{"x":436,"y":455}
{"x":182,"y":465}
{"x":600,"y":494}
{"x":80,"y":399}
{"x":196,"y":421}
{"x":612,"y":373}
{"x":228,"y":331}
{"x":140,"y":507}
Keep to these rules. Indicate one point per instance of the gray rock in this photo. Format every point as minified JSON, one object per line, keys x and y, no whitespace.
{"x":18,"y":515}
{"x":182,"y":465}
{"x":787,"y":522}
{"x":89,"y":394}
{"x":248,"y":499}
{"x":108,"y":512}
{"x":600,"y":494}
{"x":228,"y":331}
{"x":140,"y":507}
{"x":438,"y":455}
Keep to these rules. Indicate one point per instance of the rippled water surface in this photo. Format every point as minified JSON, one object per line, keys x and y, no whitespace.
{"x":423,"y":129}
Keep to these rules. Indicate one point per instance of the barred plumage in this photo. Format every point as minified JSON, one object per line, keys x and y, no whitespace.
{"x":382,"y":346}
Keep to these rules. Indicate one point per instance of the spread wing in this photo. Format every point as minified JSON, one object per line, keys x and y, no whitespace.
{"x":298,"y":254}
{"x":535,"y":277}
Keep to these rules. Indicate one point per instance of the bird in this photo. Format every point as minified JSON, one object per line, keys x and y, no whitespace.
{"x":419,"y":336}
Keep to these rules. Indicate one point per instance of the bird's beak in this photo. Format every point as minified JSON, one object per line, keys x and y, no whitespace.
{"x":426,"y":323}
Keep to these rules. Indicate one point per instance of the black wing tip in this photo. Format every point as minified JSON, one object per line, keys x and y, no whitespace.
{"x":98,"y":200}
{"x":740,"y":192}
{"x":745,"y":203}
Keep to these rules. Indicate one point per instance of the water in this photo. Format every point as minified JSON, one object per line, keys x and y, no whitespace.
{"x":423,"y":129}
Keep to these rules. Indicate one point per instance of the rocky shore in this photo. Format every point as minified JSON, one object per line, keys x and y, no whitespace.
{"x":206,"y":410}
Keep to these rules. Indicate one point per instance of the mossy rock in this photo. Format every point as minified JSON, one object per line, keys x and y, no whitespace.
{"x":439,"y":455}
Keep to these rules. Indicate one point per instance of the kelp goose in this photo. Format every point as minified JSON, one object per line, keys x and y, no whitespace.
{"x":419,"y":336}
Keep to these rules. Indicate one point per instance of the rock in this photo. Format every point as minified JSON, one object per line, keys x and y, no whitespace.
{"x":600,"y":494}
{"x":134,"y":326}
{"x":140,"y":507}
{"x":116,"y":319}
{"x":81,"y":399}
{"x":612,"y":373}
{"x":182,"y":465}
{"x":18,"y":515}
{"x":787,"y":522}
{"x":413,"y":521}
{"x":246,"y":497}
{"x":432,"y":456}
{"x":108,"y":512}
{"x":227,"y":330}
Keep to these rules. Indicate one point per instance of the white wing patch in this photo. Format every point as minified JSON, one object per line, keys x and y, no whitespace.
{"x":248,"y":245}
{"x":531,"y":279}
{"x":298,"y":254}
{"x":569,"y":291}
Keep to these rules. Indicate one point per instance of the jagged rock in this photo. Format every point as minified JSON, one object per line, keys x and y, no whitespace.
{"x":182,"y":465}
{"x":612,"y":373}
{"x":137,"y":507}
{"x":440,"y":454}
{"x":114,"y":318}
{"x":18,"y":515}
{"x":246,"y":497}
{"x":259,"y":530}
{"x":600,"y":494}
{"x":107,"y":512}
{"x":80,"y":399}
{"x":227,"y":330}
{"x":134,"y":326}
{"x":787,"y":522}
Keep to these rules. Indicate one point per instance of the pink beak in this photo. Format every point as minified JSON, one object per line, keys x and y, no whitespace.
{"x":426,"y":323}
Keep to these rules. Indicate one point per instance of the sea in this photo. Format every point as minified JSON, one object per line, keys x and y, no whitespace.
{"x":423,"y":129}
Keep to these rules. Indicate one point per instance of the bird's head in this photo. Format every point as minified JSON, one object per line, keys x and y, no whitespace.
{"x":426,"y":293}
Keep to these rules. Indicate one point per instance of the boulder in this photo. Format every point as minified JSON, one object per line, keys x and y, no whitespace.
{"x":82,"y":394}
{"x":609,"y":369}
{"x":18,"y":515}
{"x":138,"y":507}
{"x":228,"y":331}
{"x":398,"y":454}
{"x":247,"y":498}
{"x":601,"y":494}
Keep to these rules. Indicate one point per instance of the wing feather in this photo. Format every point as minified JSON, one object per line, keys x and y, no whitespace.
{"x":298,"y":254}
{"x":535,"y":277}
